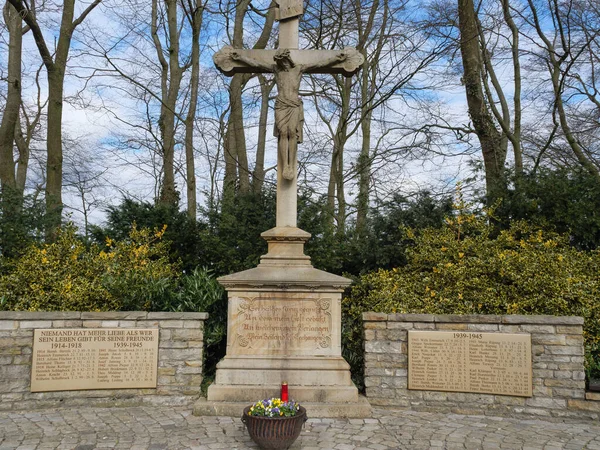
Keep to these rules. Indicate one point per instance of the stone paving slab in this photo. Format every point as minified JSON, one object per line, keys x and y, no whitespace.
{"x":157,"y":428}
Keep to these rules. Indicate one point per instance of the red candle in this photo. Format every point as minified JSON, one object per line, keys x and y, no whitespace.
{"x":284,"y":392}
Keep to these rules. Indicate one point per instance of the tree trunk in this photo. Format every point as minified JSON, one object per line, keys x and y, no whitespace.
{"x":190,"y":169}
{"x":56,"y":78}
{"x":340,"y":193}
{"x":258,"y":175}
{"x":54,"y":144}
{"x":168,"y":194}
{"x":230,"y":177}
{"x":494,"y":155}
{"x":10,"y":118}
{"x":23,"y":161}
{"x":336,"y":180}
{"x":237,"y":177}
{"x":332,"y":184}
{"x":363,"y":164}
{"x":237,"y":114}
{"x":364,"y":177}
{"x":235,"y":145}
{"x":236,"y":139}
{"x":516,"y":135}
{"x":564,"y":123}
{"x":24,"y":134}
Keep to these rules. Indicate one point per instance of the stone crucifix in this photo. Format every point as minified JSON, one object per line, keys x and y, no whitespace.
{"x":288,"y":64}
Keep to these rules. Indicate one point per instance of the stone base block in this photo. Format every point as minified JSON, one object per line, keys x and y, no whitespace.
{"x":296,"y":371}
{"x":253,"y":393}
{"x":358,"y":409}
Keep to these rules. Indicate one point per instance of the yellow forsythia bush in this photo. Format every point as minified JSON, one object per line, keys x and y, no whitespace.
{"x":468,"y":267}
{"x":67,"y":276}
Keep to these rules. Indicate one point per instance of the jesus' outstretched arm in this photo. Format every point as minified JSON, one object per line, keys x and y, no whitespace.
{"x":236,"y":56}
{"x":339,"y":58}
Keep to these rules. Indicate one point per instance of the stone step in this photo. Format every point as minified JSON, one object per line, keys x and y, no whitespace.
{"x":355,"y":410}
{"x":253,"y":393}
{"x":284,"y":362}
{"x":276,"y":377}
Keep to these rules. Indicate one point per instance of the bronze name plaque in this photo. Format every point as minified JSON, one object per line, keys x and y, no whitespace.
{"x":459,"y":361}
{"x":70,"y":359}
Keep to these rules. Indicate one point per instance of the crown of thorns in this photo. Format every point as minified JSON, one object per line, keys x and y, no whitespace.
{"x":282,"y":55}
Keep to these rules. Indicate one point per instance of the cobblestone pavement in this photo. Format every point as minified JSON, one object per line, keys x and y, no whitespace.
{"x":176,"y":428}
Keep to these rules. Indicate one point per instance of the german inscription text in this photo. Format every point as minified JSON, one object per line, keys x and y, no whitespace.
{"x":94,"y":358}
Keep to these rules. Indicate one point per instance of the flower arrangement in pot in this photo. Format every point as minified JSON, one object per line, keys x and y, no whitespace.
{"x":274,"y":423}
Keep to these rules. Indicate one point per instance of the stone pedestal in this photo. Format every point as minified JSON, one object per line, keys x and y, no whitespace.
{"x":284,"y":325}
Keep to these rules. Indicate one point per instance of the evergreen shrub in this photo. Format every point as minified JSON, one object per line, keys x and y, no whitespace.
{"x":130,"y":274}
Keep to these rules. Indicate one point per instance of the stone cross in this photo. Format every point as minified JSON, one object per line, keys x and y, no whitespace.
{"x":288,"y":64}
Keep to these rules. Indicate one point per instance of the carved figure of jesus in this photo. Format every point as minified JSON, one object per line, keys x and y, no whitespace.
{"x":289,"y":110}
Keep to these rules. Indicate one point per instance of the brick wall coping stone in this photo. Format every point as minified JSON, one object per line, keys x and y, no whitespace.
{"x":473,"y":318}
{"x":111,"y":315}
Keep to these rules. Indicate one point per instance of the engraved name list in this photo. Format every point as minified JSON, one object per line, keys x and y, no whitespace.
{"x":94,"y":358}
{"x":491,"y":363}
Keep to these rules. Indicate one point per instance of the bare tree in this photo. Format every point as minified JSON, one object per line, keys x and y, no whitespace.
{"x":563,"y":47}
{"x":10,"y":117}
{"x":28,"y":130}
{"x":84,"y":178}
{"x":396,"y":52}
{"x":237,"y":171}
{"x":494,"y":91}
{"x":167,"y":82}
{"x":170,"y":82}
{"x":194,"y":12}
{"x":331,"y":25}
{"x":55,"y":63}
{"x":492,"y":141}
{"x":259,"y":172}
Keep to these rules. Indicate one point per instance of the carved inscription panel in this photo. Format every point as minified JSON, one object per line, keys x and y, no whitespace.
{"x":69,"y":359}
{"x":270,"y":326}
{"x":490,"y":363}
{"x":289,"y":8}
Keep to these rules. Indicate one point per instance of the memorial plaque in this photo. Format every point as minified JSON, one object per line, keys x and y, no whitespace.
{"x":458,"y":361}
{"x":70,"y":359}
{"x":281,"y":326}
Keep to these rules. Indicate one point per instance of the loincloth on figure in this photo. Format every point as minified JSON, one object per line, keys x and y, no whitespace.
{"x":289,"y":118}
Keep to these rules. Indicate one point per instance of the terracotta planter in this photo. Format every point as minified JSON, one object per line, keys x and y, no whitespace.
{"x":274,"y":433}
